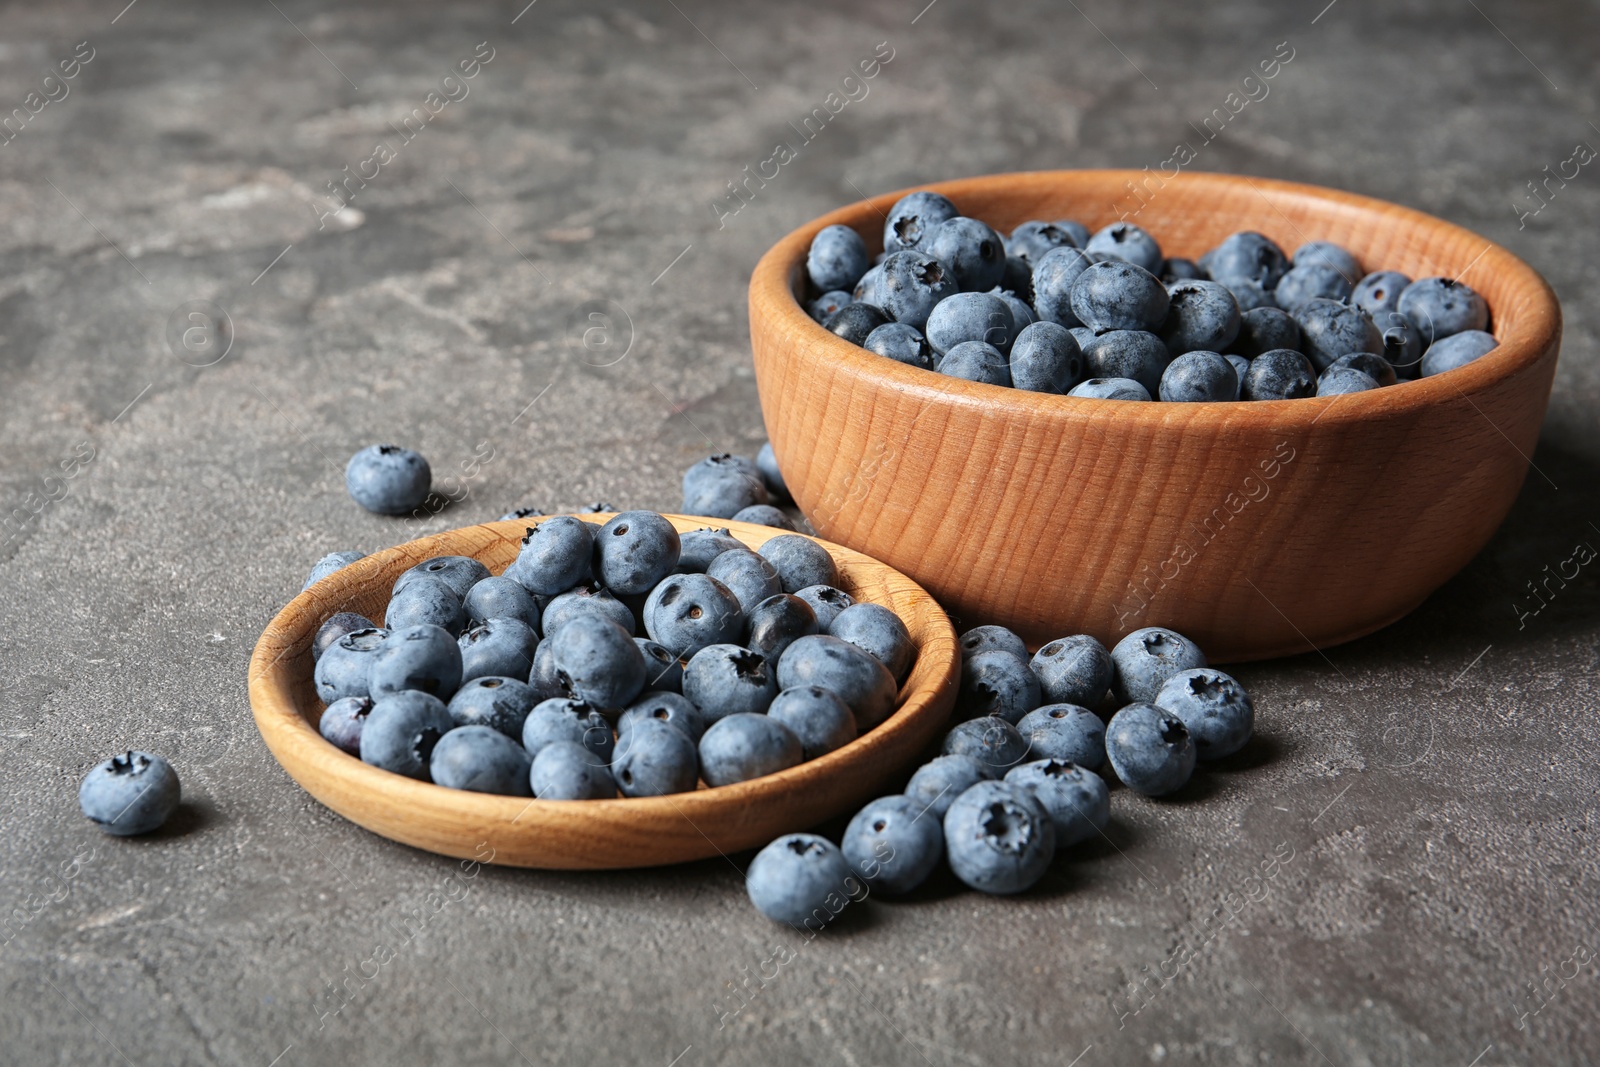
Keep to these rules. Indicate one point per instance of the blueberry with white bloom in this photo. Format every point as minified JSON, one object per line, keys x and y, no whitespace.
{"x":401,"y":731}
{"x":1135,"y":354}
{"x":993,"y":742}
{"x":878,"y":631}
{"x":673,"y":709}
{"x":1022,"y":315}
{"x":827,"y":601}
{"x":912,"y":285}
{"x":388,"y":479}
{"x":764,"y":515}
{"x":130,"y":794}
{"x":1045,"y":358}
{"x":687,"y":612}
{"x":565,"y":770}
{"x":800,"y":562}
{"x":778,"y":622}
{"x":556,"y":554}
{"x":1336,"y":381}
{"x":634,"y":550}
{"x":335,"y":627}
{"x":460,"y":573}
{"x":1311,"y":281}
{"x":723,"y":680}
{"x":973,"y":252}
{"x":590,"y":598}
{"x":663,"y":669}
{"x":801,"y":880}
{"x":597,"y":661}
{"x":867,"y":291}
{"x":1215,"y":709}
{"x":497,"y":702}
{"x":425,"y":600}
{"x":998,"y":684}
{"x":976,"y":361}
{"x":745,"y":746}
{"x":1240,"y":366}
{"x":1054,"y":275}
{"x":568,"y":719}
{"x":1073,"y":670}
{"x":860,"y":680}
{"x":1375,"y":367}
{"x":1264,"y":329}
{"x":1379,"y":292}
{"x":825,"y":305}
{"x":543,"y":679}
{"x":498,"y":597}
{"x":1328,"y":254}
{"x":903,"y":344}
{"x":1199,"y":376}
{"x":482,"y":759}
{"x":912,"y":218}
{"x":1110,"y":389}
{"x":721,"y":486}
{"x":855,"y":322}
{"x":749,"y":575}
{"x":1201,"y":316}
{"x":1076,"y":799}
{"x":345,"y":668}
{"x":999,"y":838}
{"x":698,"y":548}
{"x":1144,"y":660}
{"x":893,"y":843}
{"x":1119,"y":296}
{"x":970,"y":317}
{"x":1032,"y":239}
{"x":1150,"y":749}
{"x":991,"y":639}
{"x":325,"y":566}
{"x":1281,"y":374}
{"x":1178,"y":269}
{"x":1246,"y":256}
{"x":1402,"y":343}
{"x":1440,"y":307}
{"x":1249,"y":295}
{"x":501,"y":648}
{"x":655,"y":759}
{"x":1457,"y":350}
{"x":1065,"y":732}
{"x":422,"y":657}
{"x":837,"y":258}
{"x":817,"y":717}
{"x":1329,"y":329}
{"x":937,"y":783}
{"x":342,"y":721}
{"x":1129,"y":243}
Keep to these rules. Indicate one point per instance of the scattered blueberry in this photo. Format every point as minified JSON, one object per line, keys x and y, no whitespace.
{"x":993,"y":742}
{"x":999,"y":684}
{"x":700,"y":547}
{"x":1073,"y":670}
{"x":991,"y":639}
{"x":937,"y":783}
{"x":767,"y":463}
{"x":1075,"y":798}
{"x":1067,"y":732}
{"x":1214,"y":708}
{"x":1150,"y":749}
{"x":388,"y":479}
{"x":999,"y":838}
{"x":1145,"y":659}
{"x":893,"y":843}
{"x":764,"y":515}
{"x":721,"y":486}
{"x":134,"y":793}
{"x":801,"y":880}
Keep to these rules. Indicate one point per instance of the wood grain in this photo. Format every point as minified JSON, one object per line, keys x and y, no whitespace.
{"x":637,"y":832}
{"x":1259,"y":529}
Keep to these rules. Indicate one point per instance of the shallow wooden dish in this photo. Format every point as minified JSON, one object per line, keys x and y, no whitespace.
{"x":1056,"y":515}
{"x":640,"y":832}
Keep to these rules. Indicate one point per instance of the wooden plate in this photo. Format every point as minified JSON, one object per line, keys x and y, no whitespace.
{"x":638,"y":832}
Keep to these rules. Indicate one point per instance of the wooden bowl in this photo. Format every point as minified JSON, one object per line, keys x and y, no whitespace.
{"x":638,"y":832}
{"x":1259,"y":529}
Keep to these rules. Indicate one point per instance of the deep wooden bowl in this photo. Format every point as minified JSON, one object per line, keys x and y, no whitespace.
{"x":639,"y":832}
{"x":1259,"y":529}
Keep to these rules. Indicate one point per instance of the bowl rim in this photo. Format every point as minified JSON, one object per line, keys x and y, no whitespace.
{"x":327,"y":772}
{"x":1533,"y":329}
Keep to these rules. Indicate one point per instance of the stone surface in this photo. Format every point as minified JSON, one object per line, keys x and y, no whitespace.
{"x":1434,"y":783}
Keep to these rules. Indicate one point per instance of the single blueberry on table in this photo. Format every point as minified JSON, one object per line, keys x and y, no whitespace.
{"x":903,"y":344}
{"x":1066,"y":732}
{"x":1150,"y":749}
{"x":1075,"y":798}
{"x":1440,"y":307}
{"x":1129,"y":243}
{"x":748,"y":574}
{"x":1134,"y":354}
{"x":999,"y":838}
{"x":130,"y":794}
{"x":1196,"y":377}
{"x":800,"y":562}
{"x":764,"y":515}
{"x":1379,"y":292}
{"x":1329,"y":329}
{"x":991,"y":639}
{"x":767,"y":464}
{"x":855,"y":322}
{"x":974,"y":253}
{"x":1144,"y":660}
{"x":1264,"y":329}
{"x":1032,"y":239}
{"x":336,"y":626}
{"x":1282,"y":374}
{"x":745,"y":746}
{"x":1073,"y":670}
{"x":1457,"y":350}
{"x":496,"y":597}
{"x":778,"y":622}
{"x":497,"y":702}
{"x":1327,"y":254}
{"x":879,"y":632}
{"x":721,"y":486}
{"x":937,"y":783}
{"x":481,"y":759}
{"x":827,"y":601}
{"x":1054,"y":276}
{"x":565,"y":770}
{"x":859,"y":680}
{"x":663,"y":669}
{"x":1214,"y":708}
{"x":673,"y":709}
{"x":970,"y":317}
{"x":1201,"y":317}
{"x":1246,"y":256}
{"x":568,"y":719}
{"x":342,"y":721}
{"x":425,"y":600}
{"x":976,"y":361}
{"x":597,"y":661}
{"x":634,"y":550}
{"x":699,"y":547}
{"x":500,"y":648}
{"x":723,"y":680}
{"x":401,"y":731}
{"x":460,"y":573}
{"x":1110,"y":389}
{"x":590,"y":598}
{"x":999,"y":684}
{"x":802,"y":880}
{"x":1375,"y":367}
{"x":688,"y":612}
{"x":911,"y":285}
{"x":912,"y":218}
{"x":826,"y":304}
{"x":423,"y":657}
{"x":1311,"y":282}
{"x":388,"y":479}
{"x":555,"y":556}
{"x":653,"y":759}
{"x":325,"y":566}
{"x":1119,"y":296}
{"x":837,"y":258}
{"x":1045,"y":358}
{"x":345,"y":668}
{"x":817,"y":717}
{"x":1336,"y":381}
{"x":893,"y":843}
{"x":993,"y":742}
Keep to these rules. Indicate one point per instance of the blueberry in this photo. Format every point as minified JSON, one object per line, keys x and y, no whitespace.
{"x":837,"y":258}
{"x":687,"y":612}
{"x":745,"y":746}
{"x":1075,"y":230}
{"x":634,"y":551}
{"x":817,"y":717}
{"x":1311,"y":282}
{"x":970,"y":317}
{"x":1336,"y":381}
{"x":750,"y":576}
{"x":425,"y":600}
{"x":1110,"y":389}
{"x":879,"y":632}
{"x":501,"y":648}
{"x":1327,"y":254}
{"x":328,"y":564}
{"x":721,"y":486}
{"x":588,"y":599}
{"x":556,"y":555}
{"x":855,"y":322}
{"x":1440,"y":307}
{"x":723,"y":680}
{"x":1022,"y":315}
{"x":1375,"y":367}
{"x":778,"y":622}
{"x":1379,"y":292}
{"x":1150,"y":749}
{"x":827,"y":601}
{"x":673,"y":709}
{"x":1129,"y":243}
{"x":1264,"y":329}
{"x":1199,"y":376}
{"x":767,"y":464}
{"x":1054,"y":276}
{"x":663,"y":668}
{"x":1134,"y":354}
{"x":1076,"y":799}
{"x":1178,"y":269}
{"x":1119,"y":296}
{"x":565,"y":770}
{"x":938,"y":782}
{"x":523,"y":513}
{"x":912,"y":218}
{"x":654,"y":759}
{"x":893,"y":843}
{"x":1457,"y":350}
{"x":388,"y":479}
{"x":800,"y":562}
{"x":999,"y":838}
{"x":345,"y":668}
{"x":1032,"y":239}
{"x":801,"y":879}
{"x":764,"y":515}
{"x":1145,"y":659}
{"x":1402,"y":343}
{"x":1214,"y":708}
{"x":482,"y":759}
{"x":867,"y":291}
{"x":543,"y":679}
{"x":976,"y":361}
{"x":1246,"y":256}
{"x":911,"y":285}
{"x":1045,"y":358}
{"x":1329,"y":329}
{"x":342,"y":721}
{"x":336,"y":626}
{"x":1201,"y":316}
{"x":999,"y":684}
{"x":903,"y":344}
{"x":130,"y":794}
{"x":1066,"y":732}
{"x":1073,"y":670}
{"x":1250,"y":296}
{"x":973,"y":252}
{"x":460,"y":573}
{"x":1282,"y":374}
{"x":421,"y":657}
{"x":699,"y":547}
{"x":826,"y":304}
{"x":1240,"y":366}
{"x":501,"y":598}
{"x":597,"y":661}
{"x":498,"y":702}
{"x":572,"y":720}
{"x":1018,"y":281}
{"x":993,"y":742}
{"x":991,"y":639}
{"x":859,"y":680}
{"x":402,"y":730}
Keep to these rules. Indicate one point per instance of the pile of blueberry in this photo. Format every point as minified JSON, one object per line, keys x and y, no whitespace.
{"x":1019,"y":779}
{"x":1055,"y":309}
{"x":533,"y":682}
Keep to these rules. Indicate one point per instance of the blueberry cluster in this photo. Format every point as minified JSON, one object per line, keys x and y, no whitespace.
{"x":535,"y":682}
{"x":1055,"y":309}
{"x":1020,"y":776}
{"x":737,"y":487}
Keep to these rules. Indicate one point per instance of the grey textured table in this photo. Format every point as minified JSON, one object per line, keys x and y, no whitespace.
{"x":1408,"y":872}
